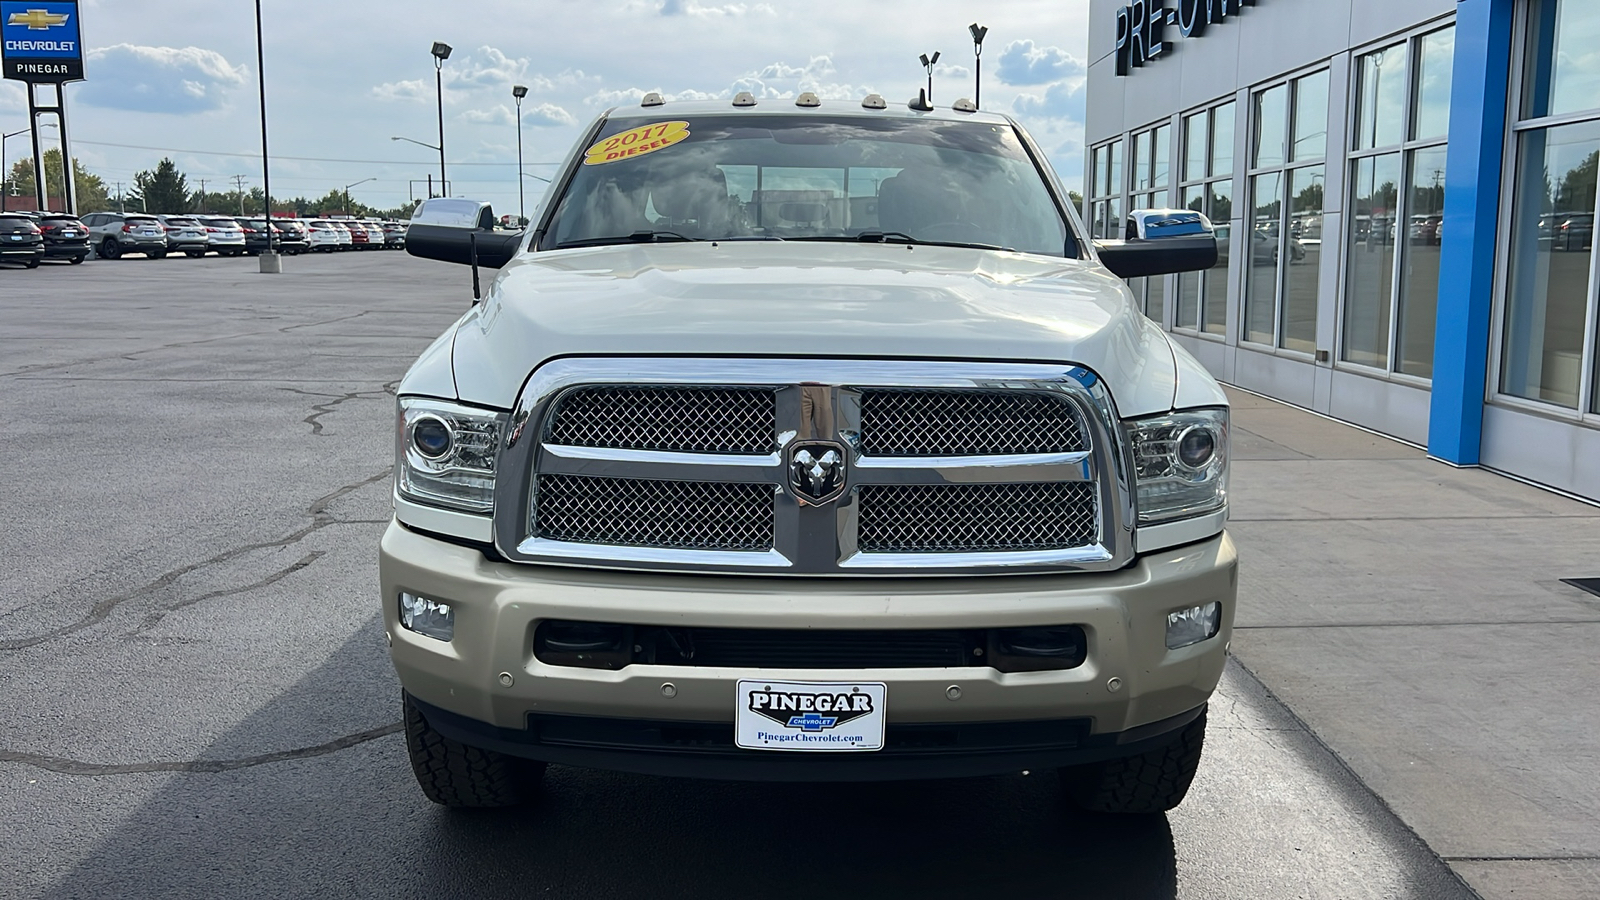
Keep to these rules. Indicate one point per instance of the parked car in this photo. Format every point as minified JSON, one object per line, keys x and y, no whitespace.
{"x":1576,"y":231}
{"x":346,"y":237}
{"x":65,"y":237}
{"x":21,"y":241}
{"x":394,"y":235}
{"x":360,"y":239}
{"x":292,"y":239}
{"x":185,"y":235}
{"x":952,"y":512}
{"x":223,"y":235}
{"x":322,"y":236}
{"x":114,"y":234}
{"x":257,"y":236}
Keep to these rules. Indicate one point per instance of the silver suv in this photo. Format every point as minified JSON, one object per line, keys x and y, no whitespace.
{"x":185,"y":235}
{"x":113,"y":233}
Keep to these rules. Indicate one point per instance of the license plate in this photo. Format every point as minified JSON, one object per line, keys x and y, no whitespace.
{"x":810,"y":715}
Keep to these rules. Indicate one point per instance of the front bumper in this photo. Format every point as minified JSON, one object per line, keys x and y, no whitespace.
{"x":498,"y":605}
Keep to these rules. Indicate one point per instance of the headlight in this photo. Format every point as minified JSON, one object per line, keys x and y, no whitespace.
{"x":1180,"y":462}
{"x":445,"y":454}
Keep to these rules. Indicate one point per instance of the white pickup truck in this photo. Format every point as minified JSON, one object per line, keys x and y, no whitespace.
{"x":803,"y":440}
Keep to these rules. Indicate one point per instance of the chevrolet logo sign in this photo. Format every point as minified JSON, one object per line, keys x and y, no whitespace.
{"x":38,"y":19}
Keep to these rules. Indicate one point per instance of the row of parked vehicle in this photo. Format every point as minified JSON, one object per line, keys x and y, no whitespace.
{"x":29,"y":238}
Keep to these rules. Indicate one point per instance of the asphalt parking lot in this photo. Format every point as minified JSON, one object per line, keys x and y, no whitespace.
{"x":197,"y":701}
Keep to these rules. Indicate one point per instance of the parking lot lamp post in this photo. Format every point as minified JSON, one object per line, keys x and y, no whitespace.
{"x":5,"y":173}
{"x":442,"y":191}
{"x":519,"y":91}
{"x":979,"y":32}
{"x":928,"y":62}
{"x":441,"y":52}
{"x":271,"y":263}
{"x":347,"y":192}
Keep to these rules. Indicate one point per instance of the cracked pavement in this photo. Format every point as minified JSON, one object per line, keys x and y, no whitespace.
{"x":197,"y":701}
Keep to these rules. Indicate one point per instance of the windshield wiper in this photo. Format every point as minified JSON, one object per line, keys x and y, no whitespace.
{"x":638,"y":237}
{"x":897,"y":237}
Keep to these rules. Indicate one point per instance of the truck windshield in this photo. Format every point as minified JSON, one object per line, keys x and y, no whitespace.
{"x":809,"y":178}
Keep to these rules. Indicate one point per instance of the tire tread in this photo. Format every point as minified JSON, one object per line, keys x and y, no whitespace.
{"x":454,"y":774}
{"x":1155,"y":781}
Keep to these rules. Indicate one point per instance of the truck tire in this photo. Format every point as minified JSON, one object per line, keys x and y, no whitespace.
{"x":454,"y":774}
{"x":1155,"y":781}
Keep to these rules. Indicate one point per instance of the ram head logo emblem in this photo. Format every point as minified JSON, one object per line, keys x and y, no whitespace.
{"x":816,"y":472}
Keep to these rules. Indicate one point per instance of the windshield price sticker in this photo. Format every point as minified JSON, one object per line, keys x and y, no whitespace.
{"x":808,"y":715}
{"x":636,"y":142}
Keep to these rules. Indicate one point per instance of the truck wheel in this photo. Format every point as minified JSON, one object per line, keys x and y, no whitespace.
{"x":454,"y":774}
{"x":1152,"y":782}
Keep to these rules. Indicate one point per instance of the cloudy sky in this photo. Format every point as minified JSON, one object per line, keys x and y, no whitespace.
{"x":178,"y":78}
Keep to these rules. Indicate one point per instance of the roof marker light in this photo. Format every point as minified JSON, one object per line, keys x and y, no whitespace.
{"x":807,"y":100}
{"x":874,"y":101}
{"x":965,"y":105}
{"x":744,"y":98}
{"x":652,"y":99}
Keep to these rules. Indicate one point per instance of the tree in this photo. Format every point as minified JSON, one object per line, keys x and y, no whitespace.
{"x":90,"y":189}
{"x":164,"y":189}
{"x":1076,"y":199}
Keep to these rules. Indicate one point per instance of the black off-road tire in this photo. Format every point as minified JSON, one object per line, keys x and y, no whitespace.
{"x":454,"y":774}
{"x":1155,"y":781}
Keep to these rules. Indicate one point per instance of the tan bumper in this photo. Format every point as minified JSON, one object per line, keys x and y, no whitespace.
{"x":498,"y":606}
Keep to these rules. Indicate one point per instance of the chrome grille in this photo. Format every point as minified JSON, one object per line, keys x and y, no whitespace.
{"x":668,"y":418}
{"x":635,"y":512}
{"x":956,"y":518}
{"x":967,"y":423}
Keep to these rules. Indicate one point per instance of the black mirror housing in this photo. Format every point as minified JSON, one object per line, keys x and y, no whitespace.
{"x":453,"y":229}
{"x":1161,"y":242}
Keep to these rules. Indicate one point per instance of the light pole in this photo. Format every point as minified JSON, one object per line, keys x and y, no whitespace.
{"x":441,"y":52}
{"x":5,"y":173}
{"x":271,"y":263}
{"x":519,"y":91}
{"x":979,"y":32}
{"x":442,"y":191}
{"x":347,"y":192}
{"x":928,"y":62}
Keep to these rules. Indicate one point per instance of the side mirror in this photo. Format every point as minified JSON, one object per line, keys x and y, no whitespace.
{"x":1161,"y":242}
{"x":451,"y":229}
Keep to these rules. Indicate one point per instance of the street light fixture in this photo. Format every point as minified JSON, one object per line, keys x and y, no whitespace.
{"x":979,"y":32}
{"x":928,"y":62}
{"x":442,"y":190}
{"x":441,"y":52}
{"x":347,"y":192}
{"x":519,"y":91}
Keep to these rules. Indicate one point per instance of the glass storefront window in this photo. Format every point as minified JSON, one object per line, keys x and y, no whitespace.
{"x":1196,"y":139}
{"x":1310,"y":119}
{"x":1271,"y":127}
{"x":1435,"y":62}
{"x":1214,"y":318}
{"x":1222,"y":141}
{"x":1380,"y":97}
{"x":1303,"y":259}
{"x":1562,"y":75}
{"x":1552,"y":237}
{"x":1161,"y":150}
{"x":1261,"y":279}
{"x":1419,"y":283}
{"x":1369,"y":288}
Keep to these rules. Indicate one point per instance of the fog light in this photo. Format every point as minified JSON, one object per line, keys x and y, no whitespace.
{"x":1193,"y":625}
{"x":427,"y":617}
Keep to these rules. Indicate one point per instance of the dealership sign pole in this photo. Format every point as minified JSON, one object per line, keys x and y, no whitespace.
{"x":43,"y":44}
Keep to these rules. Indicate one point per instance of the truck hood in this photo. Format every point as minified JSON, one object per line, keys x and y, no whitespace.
{"x":805,"y":299}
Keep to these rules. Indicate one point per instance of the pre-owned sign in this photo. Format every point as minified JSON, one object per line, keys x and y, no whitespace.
{"x":41,"y":40}
{"x":1141,"y":26}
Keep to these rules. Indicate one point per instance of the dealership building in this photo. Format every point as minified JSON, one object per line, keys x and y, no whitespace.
{"x":1404,"y":193}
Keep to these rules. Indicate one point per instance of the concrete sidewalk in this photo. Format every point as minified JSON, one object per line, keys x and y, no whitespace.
{"x":1411,"y":614}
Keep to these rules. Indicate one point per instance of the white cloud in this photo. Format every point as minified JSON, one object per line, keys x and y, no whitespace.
{"x":489,"y":67}
{"x":692,"y":8}
{"x":160,"y":79}
{"x":547,"y":115}
{"x":416,"y":91}
{"x":1062,"y":100}
{"x":12,"y":97}
{"x":1023,"y":63}
{"x":493,"y":115}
